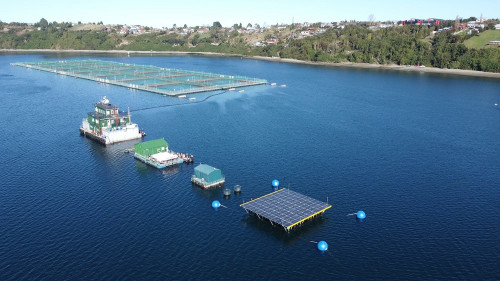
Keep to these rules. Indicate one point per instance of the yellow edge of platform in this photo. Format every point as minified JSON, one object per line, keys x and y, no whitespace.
{"x":262,"y":196}
{"x":292,"y":225}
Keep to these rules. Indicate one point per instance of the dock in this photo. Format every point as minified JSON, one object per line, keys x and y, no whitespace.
{"x":164,"y":81}
{"x":285,"y":208}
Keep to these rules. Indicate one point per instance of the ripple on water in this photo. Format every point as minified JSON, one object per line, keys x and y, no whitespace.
{"x":425,"y":176}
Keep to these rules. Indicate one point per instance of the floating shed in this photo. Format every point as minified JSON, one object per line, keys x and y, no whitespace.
{"x":164,"y":81}
{"x":207,"y":176}
{"x":156,"y":154}
{"x":285,"y":208}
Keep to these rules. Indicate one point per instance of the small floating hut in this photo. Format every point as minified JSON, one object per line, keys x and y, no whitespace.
{"x":207,"y":176}
{"x":285,"y":208}
{"x":156,"y":154}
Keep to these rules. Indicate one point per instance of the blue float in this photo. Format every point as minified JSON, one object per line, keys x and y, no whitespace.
{"x":322,"y":246}
{"x":361,"y":215}
{"x":276,"y":183}
{"x":216,"y":204}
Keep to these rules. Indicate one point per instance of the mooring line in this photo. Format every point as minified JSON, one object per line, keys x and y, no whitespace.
{"x":168,"y":105}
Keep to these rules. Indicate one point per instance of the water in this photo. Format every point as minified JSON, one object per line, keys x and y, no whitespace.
{"x":417,"y":152}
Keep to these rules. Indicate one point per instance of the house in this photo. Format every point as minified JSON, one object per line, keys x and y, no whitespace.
{"x":203,"y":30}
{"x":475,"y":24}
{"x":272,"y":40}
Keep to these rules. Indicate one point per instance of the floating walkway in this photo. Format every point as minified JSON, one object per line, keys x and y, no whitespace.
{"x":285,"y":208}
{"x":164,"y":81}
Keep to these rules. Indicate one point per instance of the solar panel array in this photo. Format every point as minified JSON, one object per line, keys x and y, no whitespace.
{"x":165,"y":81}
{"x":285,"y":207}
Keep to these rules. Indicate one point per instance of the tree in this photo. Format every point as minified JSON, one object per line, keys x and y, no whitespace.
{"x":43,"y":23}
{"x":249,"y":25}
{"x":216,"y":24}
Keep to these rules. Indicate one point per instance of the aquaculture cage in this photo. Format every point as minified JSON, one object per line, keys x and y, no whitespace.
{"x":164,"y":81}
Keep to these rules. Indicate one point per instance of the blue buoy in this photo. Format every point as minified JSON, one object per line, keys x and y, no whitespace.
{"x":360,"y":215}
{"x":322,"y":246}
{"x":216,"y":204}
{"x":276,"y":183}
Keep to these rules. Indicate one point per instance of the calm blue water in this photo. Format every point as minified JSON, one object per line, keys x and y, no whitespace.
{"x":419,"y":153}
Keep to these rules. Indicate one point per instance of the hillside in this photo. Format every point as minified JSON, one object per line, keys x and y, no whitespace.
{"x":482,"y":39}
{"x":428,"y":45}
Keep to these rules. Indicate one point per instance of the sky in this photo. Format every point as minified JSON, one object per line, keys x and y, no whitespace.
{"x":165,"y":13}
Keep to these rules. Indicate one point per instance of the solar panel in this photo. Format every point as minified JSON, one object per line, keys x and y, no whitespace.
{"x":285,"y":207}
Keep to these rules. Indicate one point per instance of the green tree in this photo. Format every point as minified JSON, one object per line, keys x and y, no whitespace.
{"x":43,"y":23}
{"x":216,"y":25}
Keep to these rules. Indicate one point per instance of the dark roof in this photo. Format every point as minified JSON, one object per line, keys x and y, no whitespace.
{"x":285,"y":207}
{"x":105,"y":105}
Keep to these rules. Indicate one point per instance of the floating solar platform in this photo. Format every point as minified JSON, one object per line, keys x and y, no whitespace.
{"x":285,"y":208}
{"x":164,"y":81}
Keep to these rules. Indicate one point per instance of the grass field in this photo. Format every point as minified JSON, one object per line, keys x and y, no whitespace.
{"x":480,"y":41}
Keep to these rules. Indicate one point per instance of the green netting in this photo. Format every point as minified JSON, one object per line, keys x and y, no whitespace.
{"x":159,"y":80}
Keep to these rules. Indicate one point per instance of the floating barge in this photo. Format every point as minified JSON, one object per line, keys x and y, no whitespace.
{"x":156,"y":154}
{"x":164,"y":81}
{"x":108,"y":125}
{"x":285,"y":208}
{"x":207,"y":176}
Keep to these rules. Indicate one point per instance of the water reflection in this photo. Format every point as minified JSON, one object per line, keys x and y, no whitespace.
{"x":278,"y":233}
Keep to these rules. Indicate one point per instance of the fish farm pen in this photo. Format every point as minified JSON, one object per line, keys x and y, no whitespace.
{"x":285,"y":208}
{"x":164,"y":81}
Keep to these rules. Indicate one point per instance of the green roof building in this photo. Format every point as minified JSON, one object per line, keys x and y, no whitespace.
{"x":107,"y":125}
{"x":156,"y":154}
{"x":151,"y":147}
{"x":207,"y":176}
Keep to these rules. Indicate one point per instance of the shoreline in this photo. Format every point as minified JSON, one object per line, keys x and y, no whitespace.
{"x":392,"y":67}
